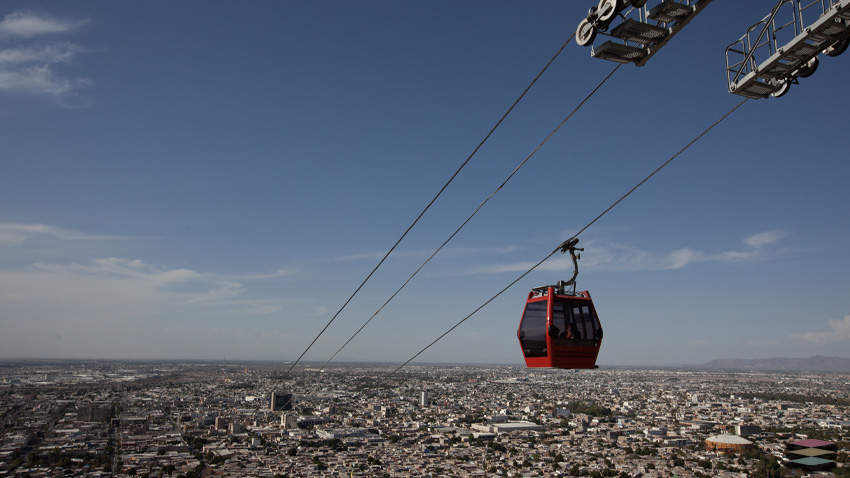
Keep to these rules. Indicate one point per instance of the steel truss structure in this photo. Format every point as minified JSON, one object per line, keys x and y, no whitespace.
{"x":785,"y":45}
{"x":637,"y":31}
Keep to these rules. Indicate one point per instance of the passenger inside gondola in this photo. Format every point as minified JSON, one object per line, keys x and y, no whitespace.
{"x":576,"y":320}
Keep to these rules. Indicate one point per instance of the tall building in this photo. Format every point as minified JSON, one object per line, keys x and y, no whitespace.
{"x":94,"y":413}
{"x":280,"y":401}
{"x":289,"y":421}
{"x":220,"y":423}
{"x":424,"y":400}
{"x":744,"y":430}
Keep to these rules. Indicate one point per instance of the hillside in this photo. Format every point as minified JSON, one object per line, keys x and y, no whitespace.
{"x":817,"y":363}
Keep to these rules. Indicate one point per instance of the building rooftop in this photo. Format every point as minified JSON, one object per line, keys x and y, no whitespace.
{"x":729,"y":439}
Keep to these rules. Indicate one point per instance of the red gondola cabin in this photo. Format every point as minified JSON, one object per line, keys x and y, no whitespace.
{"x":559,"y":329}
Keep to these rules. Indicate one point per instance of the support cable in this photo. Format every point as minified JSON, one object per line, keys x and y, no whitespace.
{"x":521,"y":164}
{"x":429,"y":204}
{"x":565,"y":243}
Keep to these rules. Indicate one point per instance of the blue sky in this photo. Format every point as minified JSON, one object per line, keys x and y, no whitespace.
{"x":213,"y":180}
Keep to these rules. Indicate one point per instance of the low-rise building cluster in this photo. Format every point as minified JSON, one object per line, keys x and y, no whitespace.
{"x":201,"y":419}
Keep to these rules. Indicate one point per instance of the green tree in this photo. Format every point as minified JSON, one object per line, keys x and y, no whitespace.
{"x":768,"y":467}
{"x":841,"y":472}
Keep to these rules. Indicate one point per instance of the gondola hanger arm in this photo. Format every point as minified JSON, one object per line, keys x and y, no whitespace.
{"x":570,"y":246}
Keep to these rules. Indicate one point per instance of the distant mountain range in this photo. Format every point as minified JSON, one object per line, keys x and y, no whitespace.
{"x":817,"y":363}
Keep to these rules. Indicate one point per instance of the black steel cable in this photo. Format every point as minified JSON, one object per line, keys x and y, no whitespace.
{"x":429,"y":204}
{"x":658,"y":169}
{"x":697,"y":138}
{"x":521,"y":164}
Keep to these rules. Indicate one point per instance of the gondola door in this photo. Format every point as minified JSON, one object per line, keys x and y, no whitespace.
{"x":534,"y":326}
{"x":576,"y":333}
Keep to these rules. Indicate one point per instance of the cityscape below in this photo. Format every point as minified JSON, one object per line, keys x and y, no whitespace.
{"x":193,"y":419}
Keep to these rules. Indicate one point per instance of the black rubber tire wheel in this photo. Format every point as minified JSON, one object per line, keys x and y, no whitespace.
{"x":585,"y":33}
{"x":837,"y":48}
{"x":809,"y":69}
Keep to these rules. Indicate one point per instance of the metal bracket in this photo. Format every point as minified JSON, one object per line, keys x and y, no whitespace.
{"x":570,"y":246}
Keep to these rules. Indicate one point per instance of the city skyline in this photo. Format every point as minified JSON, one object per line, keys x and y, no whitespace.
{"x":170,"y":419}
{"x":220,"y":188}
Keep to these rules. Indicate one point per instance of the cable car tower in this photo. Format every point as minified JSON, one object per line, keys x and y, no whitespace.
{"x":785,"y":45}
{"x":640,"y":31}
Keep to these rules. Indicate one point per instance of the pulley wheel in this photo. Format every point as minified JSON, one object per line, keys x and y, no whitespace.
{"x":810,"y":67}
{"x":837,"y":48}
{"x":585,"y":33}
{"x":608,"y":9}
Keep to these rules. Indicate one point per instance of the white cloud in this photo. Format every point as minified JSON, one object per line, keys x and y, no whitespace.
{"x":118,"y":268}
{"x":223,"y":292}
{"x":119,"y":287}
{"x":681,"y":258}
{"x":612,"y":256}
{"x":24,"y":24}
{"x":52,"y":53}
{"x":319,"y":311}
{"x":38,"y":79}
{"x":117,"y":284}
{"x":273,"y":275}
{"x":31,"y":68}
{"x":765,"y":238}
{"x":15,"y":234}
{"x":840,"y":332}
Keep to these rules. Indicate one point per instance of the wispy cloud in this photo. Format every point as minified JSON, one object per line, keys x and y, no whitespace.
{"x":611,"y":256}
{"x":52,"y":53}
{"x":765,"y":238}
{"x":319,"y":311}
{"x":15,"y":234}
{"x":840,"y":332}
{"x":120,"y":268}
{"x":40,"y":79}
{"x":26,"y":24}
{"x":273,"y":275}
{"x":115,"y":286}
{"x":123,"y":285}
{"x":133,"y":283}
{"x":30,"y":68}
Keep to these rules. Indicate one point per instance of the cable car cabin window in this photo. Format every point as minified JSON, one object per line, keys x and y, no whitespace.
{"x":575,"y":320}
{"x":532,"y":329}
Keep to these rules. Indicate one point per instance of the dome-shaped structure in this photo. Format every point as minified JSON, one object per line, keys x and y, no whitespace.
{"x":725,"y":443}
